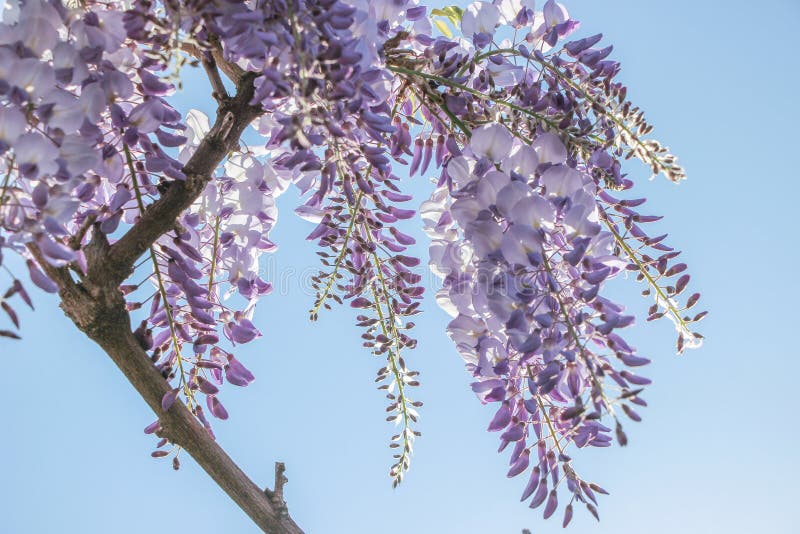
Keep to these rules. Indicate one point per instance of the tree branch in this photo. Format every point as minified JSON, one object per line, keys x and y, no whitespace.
{"x":233,"y":116}
{"x":217,"y":86}
{"x":97,"y":307}
{"x":99,"y":312}
{"x":231,"y":70}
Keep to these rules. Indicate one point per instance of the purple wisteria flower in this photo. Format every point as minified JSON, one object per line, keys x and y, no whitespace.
{"x":528,"y":219}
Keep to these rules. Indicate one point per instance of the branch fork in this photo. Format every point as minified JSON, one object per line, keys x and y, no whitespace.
{"x":94,"y":302}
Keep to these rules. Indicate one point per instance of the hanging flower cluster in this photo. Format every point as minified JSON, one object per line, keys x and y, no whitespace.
{"x":528,"y":219}
{"x":517,"y":238}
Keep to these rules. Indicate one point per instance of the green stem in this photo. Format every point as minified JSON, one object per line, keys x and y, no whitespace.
{"x":214,"y":249}
{"x":612,"y":115}
{"x":475,"y":92}
{"x":393,"y":355}
{"x":340,"y":257}
{"x":574,"y":334}
{"x":6,"y":181}
{"x":548,"y":422}
{"x":662,"y":297}
{"x":161,"y":289}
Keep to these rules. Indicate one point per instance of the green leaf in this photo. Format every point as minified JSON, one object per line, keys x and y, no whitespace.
{"x":442,"y":27}
{"x":454,"y":13}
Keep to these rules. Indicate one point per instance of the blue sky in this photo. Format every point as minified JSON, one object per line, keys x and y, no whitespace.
{"x":717,"y":451}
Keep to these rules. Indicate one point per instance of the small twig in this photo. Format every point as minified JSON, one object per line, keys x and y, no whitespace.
{"x":231,"y":70}
{"x":218,"y":88}
{"x":76,"y":240}
{"x":280,"y":480}
{"x":276,"y":495}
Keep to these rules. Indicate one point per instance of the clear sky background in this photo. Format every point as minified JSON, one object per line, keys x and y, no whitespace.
{"x":718,"y":449}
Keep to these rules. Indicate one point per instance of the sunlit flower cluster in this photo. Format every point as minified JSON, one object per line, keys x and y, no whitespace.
{"x":528,"y":218}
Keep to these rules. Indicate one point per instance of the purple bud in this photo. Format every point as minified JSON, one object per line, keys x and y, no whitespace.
{"x":39,"y":195}
{"x":55,"y":251}
{"x":416,"y":12}
{"x":237,"y":374}
{"x":207,"y":339}
{"x":417,"y":159}
{"x":397,"y":197}
{"x":120,"y":198}
{"x":152,"y":427}
{"x":533,"y":483}
{"x":501,"y":419}
{"x":361,"y":302}
{"x":169,"y":399}
{"x":541,"y":494}
{"x":402,"y":214}
{"x":216,"y":407}
{"x":567,"y":515}
{"x":622,"y":438}
{"x":520,"y":465}
{"x":515,"y":433}
{"x":426,"y":160}
{"x":244,"y":331}
{"x":635,"y":379}
{"x":632,"y":360}
{"x":408,"y":261}
{"x":402,"y":238}
{"x":208,"y":364}
{"x":631,"y":413}
{"x":576,"y":47}
{"x":206,"y":387}
{"x":552,"y":504}
{"x":40,"y":279}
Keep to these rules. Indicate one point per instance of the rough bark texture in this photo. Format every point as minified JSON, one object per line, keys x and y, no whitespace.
{"x":97,"y":307}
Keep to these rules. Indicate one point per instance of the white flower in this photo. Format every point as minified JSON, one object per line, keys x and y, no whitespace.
{"x":510,"y":8}
{"x":197,"y":126}
{"x":505,"y":74}
{"x":479,"y":17}
{"x":78,"y":154}
{"x":550,"y":148}
{"x":12,"y":124}
{"x":492,"y":141}
{"x":535,"y":212}
{"x":561,"y":181}
{"x":460,"y":171}
{"x":431,"y":212}
{"x":554,"y":14}
{"x":524,"y":160}
{"x":36,"y":151}
{"x":31,"y":75}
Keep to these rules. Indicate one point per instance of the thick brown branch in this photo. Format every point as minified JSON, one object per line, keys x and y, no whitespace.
{"x":99,"y":311}
{"x":183,"y":429}
{"x":97,"y":307}
{"x":233,"y":116}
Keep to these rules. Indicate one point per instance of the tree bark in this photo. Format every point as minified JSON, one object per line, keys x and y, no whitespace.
{"x":112,"y":331}
{"x":97,"y":307}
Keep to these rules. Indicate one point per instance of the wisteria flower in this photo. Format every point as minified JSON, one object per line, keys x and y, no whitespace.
{"x":492,"y":141}
{"x":480,"y":18}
